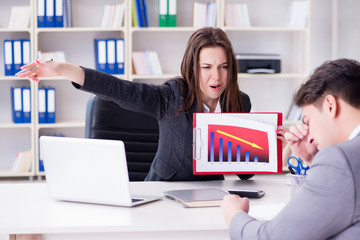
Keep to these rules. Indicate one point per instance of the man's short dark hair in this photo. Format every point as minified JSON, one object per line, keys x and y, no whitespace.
{"x":340,"y":78}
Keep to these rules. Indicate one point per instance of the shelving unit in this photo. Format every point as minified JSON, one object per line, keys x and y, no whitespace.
{"x":13,"y":137}
{"x":267,"y":34}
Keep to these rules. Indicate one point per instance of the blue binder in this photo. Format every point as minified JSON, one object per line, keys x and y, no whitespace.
{"x":26,"y":104}
{"x":8,"y":57}
{"x":50,"y":105}
{"x":100,"y":55}
{"x":146,"y":23}
{"x":111,"y":56}
{"x":49,"y":13}
{"x":17,"y":59}
{"x":120,"y":53}
{"x":139,"y":10}
{"x":42,"y":105}
{"x":16,"y":105}
{"x":41,"y":13}
{"x":59,"y":13}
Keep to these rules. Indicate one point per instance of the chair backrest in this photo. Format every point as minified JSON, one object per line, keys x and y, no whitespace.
{"x":139,"y":132}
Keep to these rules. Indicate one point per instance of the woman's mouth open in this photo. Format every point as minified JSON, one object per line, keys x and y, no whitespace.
{"x":215,"y":87}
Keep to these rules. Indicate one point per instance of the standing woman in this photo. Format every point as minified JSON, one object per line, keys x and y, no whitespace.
{"x":208,"y":83}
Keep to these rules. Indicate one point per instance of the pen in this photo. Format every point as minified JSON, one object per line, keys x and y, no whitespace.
{"x":28,"y":69}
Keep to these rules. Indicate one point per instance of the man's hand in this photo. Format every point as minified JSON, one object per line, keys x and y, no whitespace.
{"x":232,"y":204}
{"x":300,"y":143}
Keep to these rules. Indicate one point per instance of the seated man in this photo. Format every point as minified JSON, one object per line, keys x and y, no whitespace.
{"x":327,"y":205}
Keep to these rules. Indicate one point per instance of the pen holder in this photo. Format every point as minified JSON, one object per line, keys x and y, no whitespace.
{"x":296,"y":183}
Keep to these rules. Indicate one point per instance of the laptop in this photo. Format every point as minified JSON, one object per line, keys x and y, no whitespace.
{"x":88,"y":170}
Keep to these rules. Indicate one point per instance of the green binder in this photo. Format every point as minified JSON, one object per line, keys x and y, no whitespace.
{"x":135,"y":22}
{"x":172,"y":13}
{"x":163,"y":13}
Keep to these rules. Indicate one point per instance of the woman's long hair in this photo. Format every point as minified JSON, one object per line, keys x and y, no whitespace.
{"x":230,"y":100}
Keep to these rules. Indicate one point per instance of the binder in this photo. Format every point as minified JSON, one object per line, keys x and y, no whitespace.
{"x":139,"y":11}
{"x":26,"y":103}
{"x":120,"y":59}
{"x":236,"y":143}
{"x":41,"y":13}
{"x":172,"y":13}
{"x":100,"y":54}
{"x":67,"y":13}
{"x":49,"y":13}
{"x":59,"y":13}
{"x":26,"y":52}
{"x":146,"y":22}
{"x":16,"y":104}
{"x":111,"y":51}
{"x":50,"y":105}
{"x":163,"y":13}
{"x":17,"y":55}
{"x":42,"y":105}
{"x":8,"y":57}
{"x":135,"y":21}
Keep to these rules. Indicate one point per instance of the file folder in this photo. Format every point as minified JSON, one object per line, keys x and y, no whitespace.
{"x":49,"y":13}
{"x":50,"y":106}
{"x":17,"y":55}
{"x":111,"y":51}
{"x":26,"y":103}
{"x":59,"y":13}
{"x":163,"y":13}
{"x":41,"y":13}
{"x":172,"y":13}
{"x":134,"y":14}
{"x":146,"y":22}
{"x":26,"y":53}
{"x":8,"y":57}
{"x":139,"y":11}
{"x":42,"y":105}
{"x":16,"y":103}
{"x":120,"y":59}
{"x":100,"y":54}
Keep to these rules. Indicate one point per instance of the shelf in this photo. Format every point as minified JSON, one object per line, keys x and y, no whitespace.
{"x":79,"y":29}
{"x":28,"y":30}
{"x":12,"y":78}
{"x":8,"y":173}
{"x":15,"y":125}
{"x":162,"y":29}
{"x":163,"y":76}
{"x":264,"y":29}
{"x":70,"y":124}
{"x":275,"y":75}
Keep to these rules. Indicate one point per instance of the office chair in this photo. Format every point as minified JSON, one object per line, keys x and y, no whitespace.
{"x":139,"y":132}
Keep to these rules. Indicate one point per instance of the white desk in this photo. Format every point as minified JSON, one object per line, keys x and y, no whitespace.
{"x":25,"y":208}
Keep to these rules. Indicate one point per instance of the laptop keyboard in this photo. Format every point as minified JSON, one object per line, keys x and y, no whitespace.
{"x":137,"y":200}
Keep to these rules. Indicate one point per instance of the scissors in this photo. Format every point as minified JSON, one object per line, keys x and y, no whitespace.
{"x":298,"y":167}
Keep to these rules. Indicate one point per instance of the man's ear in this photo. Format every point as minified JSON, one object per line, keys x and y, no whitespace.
{"x":331,"y":105}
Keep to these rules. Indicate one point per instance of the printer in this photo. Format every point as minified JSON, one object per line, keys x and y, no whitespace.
{"x":258,"y":63}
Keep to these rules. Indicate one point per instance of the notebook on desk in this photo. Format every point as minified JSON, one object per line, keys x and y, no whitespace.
{"x":202,"y":197}
{"x":88,"y":170}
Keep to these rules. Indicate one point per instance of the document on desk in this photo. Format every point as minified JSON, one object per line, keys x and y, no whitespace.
{"x":265,"y":212}
{"x":203,"y":197}
{"x":236,"y":143}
